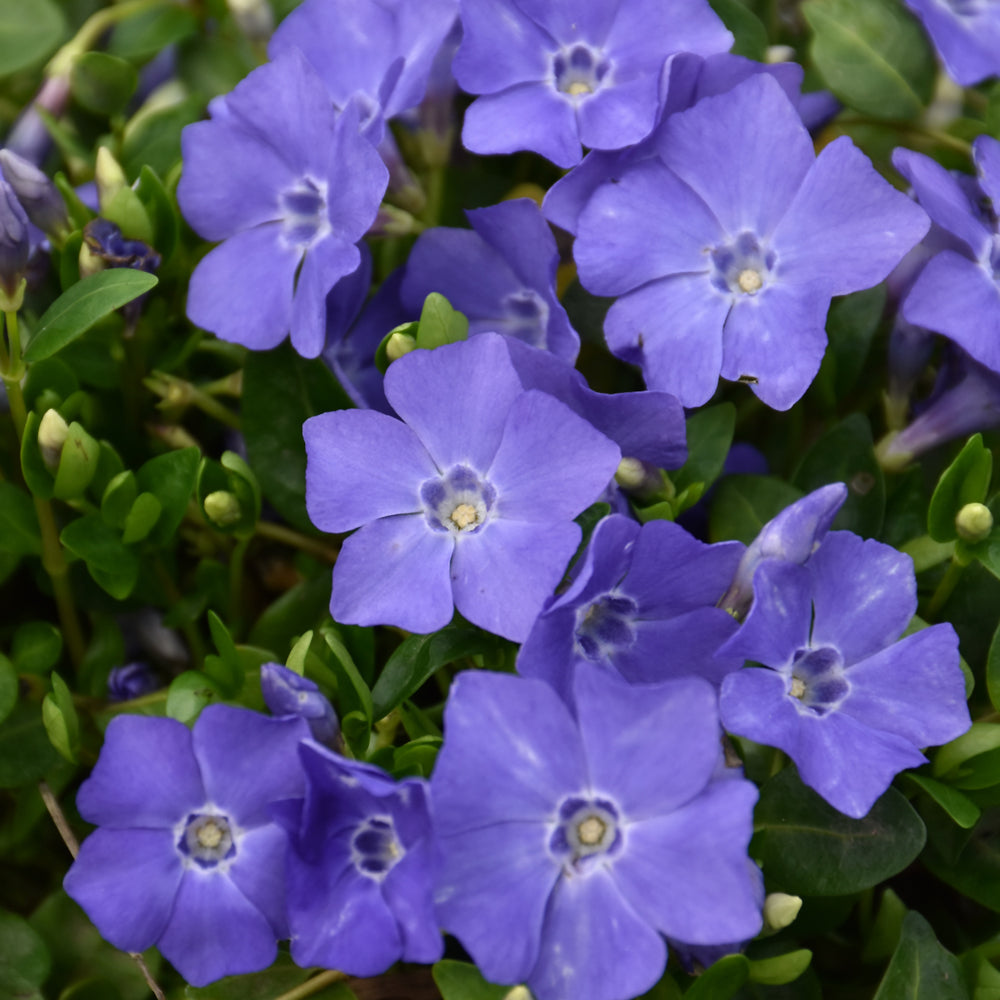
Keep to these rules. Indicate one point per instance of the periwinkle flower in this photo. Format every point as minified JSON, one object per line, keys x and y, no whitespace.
{"x":966,"y":34}
{"x":287,"y":693}
{"x":131,"y":680}
{"x":37,"y":194}
{"x":555,"y":74}
{"x":185,"y":855}
{"x":466,"y":502}
{"x":727,"y":248}
{"x":290,"y":187}
{"x":642,"y":602}
{"x":958,"y":291}
{"x":501,"y":274}
{"x":839,"y":691}
{"x":14,"y":242}
{"x":360,"y":868}
{"x":600,"y":833}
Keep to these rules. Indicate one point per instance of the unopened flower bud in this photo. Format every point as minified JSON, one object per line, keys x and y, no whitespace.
{"x":780,"y":910}
{"x":254,"y":18}
{"x":37,"y":194}
{"x":14,"y":245}
{"x":52,"y":434}
{"x":132,"y":680}
{"x":109,"y":176}
{"x":222,"y":508}
{"x":630,"y":474}
{"x":974,"y":522}
{"x":287,"y":693}
{"x":518,"y":993}
{"x":398,"y":345}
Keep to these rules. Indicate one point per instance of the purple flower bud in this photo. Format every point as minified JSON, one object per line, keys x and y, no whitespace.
{"x":288,"y":693}
{"x":132,"y":680}
{"x":14,"y":244}
{"x":38,"y":196}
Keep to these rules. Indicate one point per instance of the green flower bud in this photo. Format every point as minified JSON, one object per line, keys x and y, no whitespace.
{"x":974,"y":522}
{"x":398,"y":345}
{"x":223,"y":509}
{"x":780,"y":910}
{"x":52,"y":434}
{"x":109,"y":176}
{"x":631,"y":474}
{"x":253,"y":17}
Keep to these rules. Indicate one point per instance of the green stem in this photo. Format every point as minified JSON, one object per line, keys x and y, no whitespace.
{"x":312,"y":986}
{"x":944,"y":588}
{"x":287,"y":536}
{"x":236,"y":561}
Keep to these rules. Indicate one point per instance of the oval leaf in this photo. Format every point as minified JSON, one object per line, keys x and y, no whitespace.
{"x":920,"y":968}
{"x":78,"y":309}
{"x":26,"y":38}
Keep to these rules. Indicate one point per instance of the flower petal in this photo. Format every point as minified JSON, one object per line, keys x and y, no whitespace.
{"x":324,"y":264}
{"x":258,"y":871}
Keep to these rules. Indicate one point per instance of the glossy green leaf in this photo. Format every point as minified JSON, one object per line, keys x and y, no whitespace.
{"x":77,"y":464}
{"x":78,"y":309}
{"x":462,"y":981}
{"x":281,"y":977}
{"x":808,"y":848}
{"x":118,"y":497}
{"x":189,"y":693}
{"x":141,"y":518}
{"x":850,"y":326}
{"x":112,"y":564}
{"x":780,"y":969}
{"x":171,"y":479}
{"x":60,"y":719}
{"x":353,"y":693}
{"x":959,"y":807}
{"x":36,"y":647}
{"x":417,"y":757}
{"x":25,"y":751}
{"x":153,"y":138}
{"x":103,"y":83}
{"x":709,"y":437}
{"x":748,"y":30}
{"x":966,"y":480}
{"x":744,"y":504}
{"x":280,"y":392}
{"x":873,"y":55}
{"x":721,"y":980}
{"x":145,"y":34}
{"x":952,"y":763}
{"x":162,"y":212}
{"x":921,"y":969}
{"x":439,"y":323}
{"x":8,"y":687}
{"x":24,"y":960}
{"x":25,"y":40}
{"x":19,"y":533}
{"x":418,"y":657}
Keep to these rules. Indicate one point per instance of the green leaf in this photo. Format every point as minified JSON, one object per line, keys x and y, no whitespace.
{"x":807,"y":847}
{"x":28,"y":39}
{"x":144,"y":35}
{"x":112,"y":564}
{"x":36,"y":647}
{"x":418,"y":657}
{"x":78,"y":309}
{"x":280,"y":392}
{"x":959,"y":807}
{"x":24,"y":960}
{"x":462,"y":981}
{"x":161,"y":210}
{"x":416,"y":758}
{"x":353,"y":692}
{"x":171,"y":479}
{"x":954,"y":762}
{"x":873,"y":55}
{"x":780,"y":969}
{"x":846,"y":454}
{"x":142,"y":516}
{"x":850,"y":326}
{"x":19,"y":533}
{"x":25,"y":751}
{"x":281,"y":977}
{"x":296,"y":611}
{"x":60,"y":719}
{"x":921,"y":969}
{"x":103,"y":83}
{"x":37,"y":477}
{"x":225,"y":668}
{"x":297,"y":656}
{"x":189,"y":693}
{"x":709,"y":437}
{"x":721,"y":980}
{"x":966,"y":480}
{"x":77,"y":464}
{"x":748,"y":29}
{"x":117,"y":499}
{"x":993,"y":669}
{"x":439,"y":323}
{"x":8,"y":687}
{"x":153,"y":138}
{"x":744,"y":504}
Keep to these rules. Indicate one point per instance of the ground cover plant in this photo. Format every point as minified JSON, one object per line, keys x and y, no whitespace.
{"x":497,"y":499}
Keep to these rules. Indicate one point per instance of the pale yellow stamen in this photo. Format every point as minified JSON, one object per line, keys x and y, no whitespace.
{"x":464,"y":515}
{"x":798,"y":689}
{"x":750,"y":280}
{"x":210,"y":835}
{"x":591,"y":831}
{"x":577,"y":88}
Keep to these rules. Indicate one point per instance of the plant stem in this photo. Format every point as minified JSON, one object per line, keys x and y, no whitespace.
{"x":944,"y":588}
{"x":288,"y":536}
{"x":314,"y":985}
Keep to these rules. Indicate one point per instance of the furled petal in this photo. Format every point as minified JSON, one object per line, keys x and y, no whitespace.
{"x":362,"y":465}
{"x":518,"y":732}
{"x":847,"y":226}
{"x":258,"y":871}
{"x":325,"y":263}
{"x":914,"y":688}
{"x":686,"y":872}
{"x":673,"y":328}
{"x":394,"y":571}
{"x":142,"y":755}
{"x":231,"y":179}
{"x":744,"y":152}
{"x":456,"y":398}
{"x":594,"y":944}
{"x":242,"y":290}
{"x":503,"y":574}
{"x":646,"y":225}
{"x":215,"y":931}
{"x":551,"y":464}
{"x":957,"y":297}
{"x":248,"y":760}
{"x":864,"y":595}
{"x":775,"y":340}
{"x":943,"y":199}
{"x":126,"y":881}
{"x":626,"y":726}
{"x":529,"y":116}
